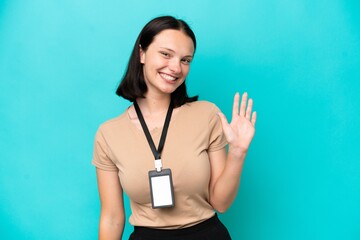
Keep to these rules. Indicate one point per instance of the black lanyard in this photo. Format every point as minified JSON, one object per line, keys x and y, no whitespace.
{"x":157,"y":153}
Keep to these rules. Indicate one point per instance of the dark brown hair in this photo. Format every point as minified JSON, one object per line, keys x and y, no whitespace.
{"x":133,"y":84}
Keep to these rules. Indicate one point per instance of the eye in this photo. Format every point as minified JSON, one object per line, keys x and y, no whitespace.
{"x":186,"y":61}
{"x":165,"y":54}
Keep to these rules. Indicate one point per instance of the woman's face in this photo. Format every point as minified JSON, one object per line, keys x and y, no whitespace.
{"x":166,"y":62}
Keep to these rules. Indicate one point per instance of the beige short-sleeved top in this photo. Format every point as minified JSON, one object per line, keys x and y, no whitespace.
{"x":193,"y":132}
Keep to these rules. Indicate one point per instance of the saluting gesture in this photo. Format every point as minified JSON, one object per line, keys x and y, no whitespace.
{"x":240,"y":132}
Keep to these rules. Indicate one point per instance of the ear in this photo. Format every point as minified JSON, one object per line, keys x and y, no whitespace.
{"x":142,"y":55}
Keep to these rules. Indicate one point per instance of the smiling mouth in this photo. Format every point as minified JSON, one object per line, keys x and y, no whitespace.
{"x":168,"y":77}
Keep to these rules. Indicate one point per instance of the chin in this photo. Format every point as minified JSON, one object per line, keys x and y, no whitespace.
{"x":169,"y":90}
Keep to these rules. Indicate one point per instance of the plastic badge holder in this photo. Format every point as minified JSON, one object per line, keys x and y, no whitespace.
{"x":161,"y":188}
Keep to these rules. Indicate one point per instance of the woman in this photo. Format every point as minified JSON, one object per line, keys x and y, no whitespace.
{"x":204,"y":177}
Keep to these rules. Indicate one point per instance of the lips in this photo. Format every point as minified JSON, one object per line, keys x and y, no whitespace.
{"x":168,"y":77}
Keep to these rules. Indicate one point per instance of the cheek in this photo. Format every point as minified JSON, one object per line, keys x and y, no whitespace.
{"x":186,"y":70}
{"x":151,"y":67}
{"x":157,"y":63}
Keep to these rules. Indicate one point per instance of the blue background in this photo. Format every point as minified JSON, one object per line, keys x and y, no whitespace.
{"x":60,"y":63}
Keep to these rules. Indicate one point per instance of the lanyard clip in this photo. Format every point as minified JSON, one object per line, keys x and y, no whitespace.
{"x":158,"y":164}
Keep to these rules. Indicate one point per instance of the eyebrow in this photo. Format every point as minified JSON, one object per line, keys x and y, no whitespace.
{"x":169,"y":49}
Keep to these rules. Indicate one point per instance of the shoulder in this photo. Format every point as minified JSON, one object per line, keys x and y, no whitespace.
{"x":113,"y":123}
{"x":202,"y":107}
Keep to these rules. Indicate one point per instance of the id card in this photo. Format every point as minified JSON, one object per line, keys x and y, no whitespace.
{"x":161,"y":188}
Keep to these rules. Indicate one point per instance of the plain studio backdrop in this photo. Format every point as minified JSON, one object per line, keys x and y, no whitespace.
{"x":60,"y":63}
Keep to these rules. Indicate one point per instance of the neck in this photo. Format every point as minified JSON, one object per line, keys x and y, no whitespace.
{"x":151,"y":105}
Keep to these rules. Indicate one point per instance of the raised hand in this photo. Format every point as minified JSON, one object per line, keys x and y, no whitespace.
{"x":240,"y":132}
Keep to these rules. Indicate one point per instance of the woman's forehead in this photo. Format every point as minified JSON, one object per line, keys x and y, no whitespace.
{"x":175,"y":40}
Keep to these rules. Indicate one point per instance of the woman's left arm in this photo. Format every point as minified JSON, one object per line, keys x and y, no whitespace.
{"x":226,"y":168}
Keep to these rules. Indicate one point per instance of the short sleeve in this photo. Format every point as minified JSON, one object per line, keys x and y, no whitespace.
{"x":101,"y":157}
{"x":217,"y":138}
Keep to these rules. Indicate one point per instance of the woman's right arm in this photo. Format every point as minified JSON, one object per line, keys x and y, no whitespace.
{"x":112,"y":216}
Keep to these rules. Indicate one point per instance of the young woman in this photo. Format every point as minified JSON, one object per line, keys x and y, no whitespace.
{"x":204,"y":176}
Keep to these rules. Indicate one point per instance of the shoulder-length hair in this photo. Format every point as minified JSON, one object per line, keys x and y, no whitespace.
{"x":133,"y":84}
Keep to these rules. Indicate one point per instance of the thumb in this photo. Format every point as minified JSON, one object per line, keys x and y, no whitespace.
{"x":223,"y":120}
{"x":226,"y":127}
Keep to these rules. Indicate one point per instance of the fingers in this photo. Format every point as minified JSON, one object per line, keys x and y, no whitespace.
{"x":243,"y":104}
{"x":246,"y":107}
{"x":249,"y":109}
{"x":235,"y":111}
{"x":253,"y":118}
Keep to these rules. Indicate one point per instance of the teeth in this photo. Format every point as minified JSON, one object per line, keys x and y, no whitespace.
{"x":168,"y":77}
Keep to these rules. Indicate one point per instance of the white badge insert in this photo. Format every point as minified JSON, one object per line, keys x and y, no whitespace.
{"x":161,"y":187}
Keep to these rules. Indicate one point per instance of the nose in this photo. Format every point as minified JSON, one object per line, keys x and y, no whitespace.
{"x":174,"y":66}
